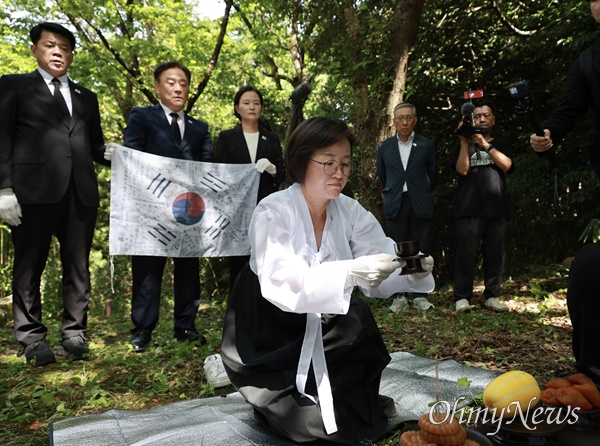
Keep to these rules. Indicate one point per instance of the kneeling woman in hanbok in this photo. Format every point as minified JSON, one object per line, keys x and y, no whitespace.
{"x":298,"y":345}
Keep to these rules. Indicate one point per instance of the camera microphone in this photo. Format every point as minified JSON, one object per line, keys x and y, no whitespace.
{"x":467,"y":109}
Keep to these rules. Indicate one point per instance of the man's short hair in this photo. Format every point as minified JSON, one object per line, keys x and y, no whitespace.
{"x":485,"y":102}
{"x":405,"y":104}
{"x":167,"y":66}
{"x":51,"y":27}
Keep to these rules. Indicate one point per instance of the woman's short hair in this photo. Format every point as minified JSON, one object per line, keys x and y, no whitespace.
{"x":309,"y":136}
{"x":238,"y":96}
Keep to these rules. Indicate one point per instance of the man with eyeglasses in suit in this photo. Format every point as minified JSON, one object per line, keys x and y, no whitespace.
{"x":406,"y":170}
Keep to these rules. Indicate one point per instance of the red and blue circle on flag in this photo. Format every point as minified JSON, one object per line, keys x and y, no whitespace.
{"x":188,"y":208}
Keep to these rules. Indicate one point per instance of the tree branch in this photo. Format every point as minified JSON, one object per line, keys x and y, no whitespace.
{"x":212,"y":63}
{"x":507,"y":22}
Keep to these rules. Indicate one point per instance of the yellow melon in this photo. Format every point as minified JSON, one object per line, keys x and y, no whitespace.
{"x":509,"y":390}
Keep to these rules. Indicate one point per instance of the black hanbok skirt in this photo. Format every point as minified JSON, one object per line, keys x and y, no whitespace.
{"x":261,"y":349}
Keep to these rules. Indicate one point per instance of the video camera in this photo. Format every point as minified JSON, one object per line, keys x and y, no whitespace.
{"x":520,"y":91}
{"x":467,"y":128}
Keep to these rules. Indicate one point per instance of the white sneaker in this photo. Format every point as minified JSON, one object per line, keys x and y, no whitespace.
{"x":494,"y":304}
{"x":422,"y":303}
{"x":462,"y":306}
{"x":215,"y":372}
{"x":399,"y":304}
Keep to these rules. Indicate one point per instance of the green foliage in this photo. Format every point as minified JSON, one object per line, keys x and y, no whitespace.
{"x":113,"y":377}
{"x":470,"y":44}
{"x":591,"y":232}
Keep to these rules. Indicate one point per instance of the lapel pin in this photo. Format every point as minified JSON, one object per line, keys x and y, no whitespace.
{"x":264,"y":137}
{"x":77,"y":91}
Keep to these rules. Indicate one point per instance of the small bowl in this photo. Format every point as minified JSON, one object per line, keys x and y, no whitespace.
{"x":409,"y":248}
{"x":409,"y":252}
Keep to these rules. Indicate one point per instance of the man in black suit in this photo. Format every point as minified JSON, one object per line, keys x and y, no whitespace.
{"x":581,"y":93}
{"x":406,"y":169}
{"x":167,"y":130}
{"x":49,"y":139}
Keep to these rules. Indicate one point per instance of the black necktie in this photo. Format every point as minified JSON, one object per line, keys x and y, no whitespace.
{"x":175,"y":128}
{"x":59,"y":99}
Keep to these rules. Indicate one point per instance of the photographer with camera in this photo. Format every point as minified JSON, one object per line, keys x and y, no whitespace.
{"x":482,"y":204}
{"x":581,"y":92}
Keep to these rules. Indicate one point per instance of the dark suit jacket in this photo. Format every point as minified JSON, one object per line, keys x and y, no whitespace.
{"x":148,"y":130}
{"x":419,"y":175}
{"x":581,"y":92}
{"x":38,"y":152}
{"x":232,"y":149}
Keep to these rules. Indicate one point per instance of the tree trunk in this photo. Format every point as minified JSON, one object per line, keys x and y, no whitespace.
{"x":374,"y":105}
{"x":403,"y":36}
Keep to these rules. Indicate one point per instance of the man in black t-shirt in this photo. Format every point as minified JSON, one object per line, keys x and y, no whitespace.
{"x":482,"y":209}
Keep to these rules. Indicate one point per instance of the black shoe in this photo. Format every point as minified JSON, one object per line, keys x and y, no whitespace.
{"x":38,"y":353}
{"x":190,"y":335}
{"x":140,"y":341}
{"x":75,"y":347}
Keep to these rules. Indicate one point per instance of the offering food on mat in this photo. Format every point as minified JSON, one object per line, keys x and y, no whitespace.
{"x":438,"y":429}
{"x":578,"y":392}
{"x":548,"y":396}
{"x":557,"y":383}
{"x":580,"y":378}
{"x":591,"y":393}
{"x":510,"y":392}
{"x":568,"y":396}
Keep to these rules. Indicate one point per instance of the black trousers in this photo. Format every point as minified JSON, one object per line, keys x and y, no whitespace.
{"x":261,"y":348}
{"x":473,"y":234}
{"x":147,"y":274}
{"x":583,"y":301}
{"x":407,"y":226}
{"x":73,"y":225}
{"x":236,"y":263}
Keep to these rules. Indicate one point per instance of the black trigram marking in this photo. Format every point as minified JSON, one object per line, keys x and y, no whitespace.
{"x":158,"y":185}
{"x":162,"y":234}
{"x":212,"y":182}
{"x":218,"y":226}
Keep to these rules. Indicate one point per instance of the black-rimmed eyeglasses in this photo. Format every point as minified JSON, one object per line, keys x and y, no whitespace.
{"x":331,"y":167}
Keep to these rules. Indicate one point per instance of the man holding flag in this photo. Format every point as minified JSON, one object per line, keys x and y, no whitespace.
{"x":167,"y":130}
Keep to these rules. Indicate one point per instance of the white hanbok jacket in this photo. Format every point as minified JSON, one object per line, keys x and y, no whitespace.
{"x":297,"y":277}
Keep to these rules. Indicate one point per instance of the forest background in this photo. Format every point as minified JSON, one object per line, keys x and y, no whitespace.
{"x":350,"y":59}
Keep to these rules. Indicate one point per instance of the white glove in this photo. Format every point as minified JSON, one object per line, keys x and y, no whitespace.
{"x":264,"y":165}
{"x":370,"y":271}
{"x":427,"y":265}
{"x":10,"y":209}
{"x":109,"y":149}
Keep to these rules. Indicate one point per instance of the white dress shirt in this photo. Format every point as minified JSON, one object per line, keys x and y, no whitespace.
{"x":252,"y":143}
{"x":404,"y":148}
{"x":64,"y":87}
{"x":180,"y":121}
